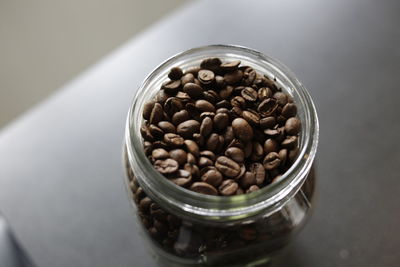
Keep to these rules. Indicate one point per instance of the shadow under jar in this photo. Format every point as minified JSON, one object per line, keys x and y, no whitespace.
{"x":188,"y":228}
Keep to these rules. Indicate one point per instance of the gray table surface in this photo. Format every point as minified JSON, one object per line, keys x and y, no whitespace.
{"x":60,"y":164}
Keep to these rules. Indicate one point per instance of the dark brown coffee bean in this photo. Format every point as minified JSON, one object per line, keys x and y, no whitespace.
{"x":204,"y":115}
{"x":147,"y":109}
{"x":267,"y":107}
{"x":268,"y":122}
{"x":206,"y":169}
{"x":160,"y":144}
{"x":205,"y":162}
{"x":230,"y":66}
{"x":290,"y":142}
{"x":180,"y":117}
{"x":193,"y":112}
{"x":249,"y":76}
{"x":264,"y":93}
{"x":192,"y":147}
{"x":226,"y":92}
{"x":155,"y":131}
{"x":252,"y":189}
{"x":206,"y":127}
{"x":211,"y":96}
{"x":166,"y":126}
{"x":187,"y":78}
{"x":173,"y":140}
{"x":204,"y":106}
{"x":157,"y":114}
{"x":251,"y":117}
{"x":204,"y":188}
{"x":293,"y":154}
{"x":235,"y":153}
{"x":193,"y":169}
{"x":228,"y":134}
{"x":257,"y":152}
{"x":247,"y":180}
{"x":182,"y":178}
{"x":249,"y":94}
{"x":271,"y":161}
{"x":193,"y":90}
{"x":236,"y":143}
{"x":221,"y":121}
{"x":238,"y":101}
{"x":241,"y":173}
{"x":161,"y":96}
{"x":212,"y":64}
{"x":193,"y":70}
{"x":259,"y":172}
{"x":212,"y":142}
{"x":283,"y":154}
{"x":172,"y":105}
{"x":281,"y":98}
{"x":187,"y":128}
{"x":237,"y":112}
{"x":171,"y":87}
{"x":166,"y":166}
{"x":281,"y":120}
{"x":289,"y":110}
{"x":292,"y":126}
{"x":212,"y":177}
{"x":233,"y":77}
{"x":199,"y":139}
{"x":179,"y":155}
{"x":228,"y":187}
{"x":222,"y":110}
{"x":145,"y":132}
{"x":208,"y":154}
{"x":160,"y":153}
{"x":227,"y":166}
{"x":270,"y":145}
{"x":223,"y":104}
{"x":272,"y":132}
{"x":191,"y":158}
{"x":144,"y":205}
{"x":219,"y":81}
{"x":148,"y":147}
{"x":206,"y":76}
{"x":242,"y":129}
{"x":175,"y":73}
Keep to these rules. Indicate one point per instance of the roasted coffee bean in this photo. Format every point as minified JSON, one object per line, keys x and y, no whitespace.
{"x":179,"y":155}
{"x":290,"y":142}
{"x":171,"y":87}
{"x":191,"y":158}
{"x":249,"y":94}
{"x":292,"y":126}
{"x":193,"y":70}
{"x":199,"y":139}
{"x":283,"y":154}
{"x":247,"y":180}
{"x":204,"y":188}
{"x":252,"y":189}
{"x":272,"y":132}
{"x":206,"y":127}
{"x":222,"y":110}
{"x":235,"y":153}
{"x":259,"y":172}
{"x":193,"y":169}
{"x":157,"y":114}
{"x":281,"y":120}
{"x":166,"y":166}
{"x":270,"y":145}
{"x":211,"y":96}
{"x":223,"y":104}
{"x":204,"y":106}
{"x":160,"y":144}
{"x":182,"y":178}
{"x":242,"y":129}
{"x":144,"y":205}
{"x":230,"y":66}
{"x":147,"y":109}
{"x":229,"y":135}
{"x":257,"y":152}
{"x":205,"y":162}
{"x":193,"y":90}
{"x":281,"y":98}
{"x":238,"y":101}
{"x":145,"y":132}
{"x":187,"y":128}
{"x":213,"y":142}
{"x":212,"y":64}
{"x":227,"y":166}
{"x":219,"y":81}
{"x":293,"y":154}
{"x":206,"y":76}
{"x":271,"y":161}
{"x":237,"y":112}
{"x":251,"y":117}
{"x":289,"y":110}
{"x":228,"y":187}
{"x":264,"y":93}
{"x":241,"y":173}
{"x":161,"y":96}
{"x":175,"y":73}
{"x":208,"y":154}
{"x":192,"y":147}
{"x":233,"y":77}
{"x":267,"y":107}
{"x":172,"y":105}
{"x":180,"y":117}
{"x":160,"y":153}
{"x":226,"y":92}
{"x":268,"y":122}
{"x":173,"y":140}
{"x":249,"y":76}
{"x":148,"y":147}
{"x":221,"y":121}
{"x":204,"y":115}
{"x":166,"y":126}
{"x":187,"y":78}
{"x":156,"y":132}
{"x":212,"y":177}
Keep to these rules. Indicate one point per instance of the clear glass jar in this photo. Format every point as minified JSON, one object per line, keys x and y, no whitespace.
{"x":189,"y":228}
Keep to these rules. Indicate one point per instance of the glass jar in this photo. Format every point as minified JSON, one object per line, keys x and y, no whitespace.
{"x":189,"y":228}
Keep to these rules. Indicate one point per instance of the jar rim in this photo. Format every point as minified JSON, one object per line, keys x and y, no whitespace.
{"x":222,"y":208}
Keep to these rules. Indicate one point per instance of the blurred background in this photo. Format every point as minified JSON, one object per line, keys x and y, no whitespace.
{"x":45,"y":43}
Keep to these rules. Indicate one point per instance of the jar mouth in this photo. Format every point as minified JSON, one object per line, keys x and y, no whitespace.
{"x":222,"y":208}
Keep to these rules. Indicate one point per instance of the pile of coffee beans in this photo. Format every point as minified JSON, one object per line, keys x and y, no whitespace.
{"x":221,"y":128}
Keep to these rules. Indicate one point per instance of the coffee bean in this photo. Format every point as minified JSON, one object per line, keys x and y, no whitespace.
{"x":191,"y":158}
{"x":187,"y":128}
{"x":289,"y":110}
{"x":193,"y":90}
{"x":235,"y":153}
{"x":147,"y":109}
{"x":166,"y":126}
{"x":230,"y":66}
{"x":264,"y":93}
{"x":233,"y":77}
{"x":172,"y":105}
{"x":205,"y":162}
{"x":223,"y":104}
{"x":289,"y":142}
{"x":173,"y":140}
{"x":281,"y":119}
{"x":193,"y":70}
{"x":283,"y":154}
{"x":192,"y":147}
{"x":249,"y":94}
{"x":171,"y":87}
{"x":257,"y":152}
{"x":145,"y":132}
{"x":208,"y":154}
{"x":281,"y":98}
{"x":249,"y":76}
{"x":259,"y":172}
{"x":144,"y":205}
{"x":221,"y":121}
{"x":206,"y":76}
{"x":238,"y":101}
{"x":267,"y":107}
{"x":166,"y":166}
{"x":268,"y":122}
{"x":180,"y":117}
{"x":175,"y":73}
{"x":199,"y":139}
{"x":204,"y":106}
{"x":161,"y":96}
{"x":182,"y":178}
{"x":156,"y":132}
{"x":212,"y":142}
{"x":272,"y":132}
{"x":160,"y":153}
{"x":157,"y":114}
{"x":292,"y":126}
{"x":293,"y":154}
{"x":226,"y":92}
{"x":192,"y":169}
{"x":211,"y":96}
{"x":242,"y":129}
{"x":252,"y":189}
{"x":248,"y":180}
{"x":219,"y":81}
{"x":251,"y":117}
{"x":212,"y":177}
{"x":187,"y":78}
{"x":270,"y":145}
{"x":212,"y":64}
{"x":148,"y":147}
{"x":206,"y":127}
{"x":179,"y":155}
{"x":228,"y":187}
{"x":241,"y":173}
{"x":276,"y":179}
{"x":227,"y":166}
{"x":228,"y":134}
{"x":271,"y":161}
{"x":204,"y":188}
{"x":193,"y":112}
